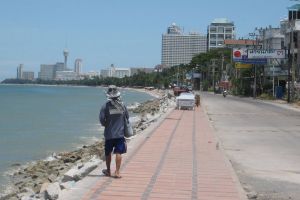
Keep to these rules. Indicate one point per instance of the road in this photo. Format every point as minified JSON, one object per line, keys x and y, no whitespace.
{"x":262,"y":141}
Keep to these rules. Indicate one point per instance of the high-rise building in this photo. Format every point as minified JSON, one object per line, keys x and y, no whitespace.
{"x":219,"y":30}
{"x":78,"y":66}
{"x":47,"y":72}
{"x":136,"y":70}
{"x":66,"y":53}
{"x":179,"y":48}
{"x":20,"y":71}
{"x":112,"y":71}
{"x":28,"y":75}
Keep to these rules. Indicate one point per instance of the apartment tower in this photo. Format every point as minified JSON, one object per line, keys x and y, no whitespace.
{"x":219,"y":30}
{"x":179,"y":48}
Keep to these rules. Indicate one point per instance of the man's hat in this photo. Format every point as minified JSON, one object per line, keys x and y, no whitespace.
{"x":112,"y":92}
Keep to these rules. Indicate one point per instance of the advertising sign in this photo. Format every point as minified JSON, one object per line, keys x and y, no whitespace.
{"x":275,"y":71}
{"x":196,"y":75}
{"x":241,"y":55}
{"x":239,"y":65}
{"x":253,"y":61}
{"x":266,"y":53}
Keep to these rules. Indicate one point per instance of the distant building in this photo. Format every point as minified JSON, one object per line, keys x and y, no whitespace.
{"x":104,"y":73}
{"x":59,"y":66}
{"x":78,"y":66}
{"x":20,"y":71}
{"x":25,"y":75}
{"x":179,"y":48}
{"x":90,"y":74}
{"x":136,"y":70}
{"x":271,"y":38}
{"x":66,"y":53}
{"x":121,"y":72}
{"x":115,"y":72}
{"x":66,"y":76}
{"x":48,"y":72}
{"x":28,"y":75}
{"x":219,"y":30}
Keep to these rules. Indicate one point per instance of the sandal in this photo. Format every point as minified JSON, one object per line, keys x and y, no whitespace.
{"x":106,"y":172}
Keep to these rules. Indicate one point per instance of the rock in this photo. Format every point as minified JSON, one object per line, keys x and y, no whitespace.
{"x":88,"y":167}
{"x":53,"y":191}
{"x":44,"y":187}
{"x":76,"y":174}
{"x":28,"y":197}
{"x":70,"y":175}
{"x":15,"y":165}
{"x":52,"y":178}
{"x":252,"y":195}
{"x":67,"y":185}
{"x":11,"y":196}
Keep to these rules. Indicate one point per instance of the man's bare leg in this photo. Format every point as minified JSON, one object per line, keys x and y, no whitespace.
{"x":108,"y":161}
{"x":118,"y":165}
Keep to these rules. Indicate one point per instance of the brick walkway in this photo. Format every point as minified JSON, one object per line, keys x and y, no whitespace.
{"x":178,"y":160}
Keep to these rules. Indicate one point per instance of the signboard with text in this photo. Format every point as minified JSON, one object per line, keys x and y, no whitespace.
{"x":266,"y":53}
{"x":239,"y":65}
{"x":241,"y":55}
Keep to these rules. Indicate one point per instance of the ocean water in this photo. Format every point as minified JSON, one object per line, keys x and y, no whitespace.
{"x":36,"y":121}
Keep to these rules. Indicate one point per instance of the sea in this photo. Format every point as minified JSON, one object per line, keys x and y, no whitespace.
{"x":37,"y":121}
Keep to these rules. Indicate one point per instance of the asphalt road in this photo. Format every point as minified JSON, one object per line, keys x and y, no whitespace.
{"x":262,"y":141}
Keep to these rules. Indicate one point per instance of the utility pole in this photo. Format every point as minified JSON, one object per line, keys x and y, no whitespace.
{"x":254,"y":65}
{"x":273,"y":88}
{"x":223,"y":71}
{"x":254,"y":82}
{"x":177,"y":74}
{"x":289,"y":70}
{"x":213,"y":70}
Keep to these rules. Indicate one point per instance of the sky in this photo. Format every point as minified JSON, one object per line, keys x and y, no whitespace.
{"x":126,"y":33}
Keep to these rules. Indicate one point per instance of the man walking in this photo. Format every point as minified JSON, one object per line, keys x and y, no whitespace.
{"x":112,"y":117}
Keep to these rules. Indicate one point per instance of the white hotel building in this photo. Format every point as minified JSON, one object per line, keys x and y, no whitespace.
{"x":179,"y":48}
{"x":219,"y":30}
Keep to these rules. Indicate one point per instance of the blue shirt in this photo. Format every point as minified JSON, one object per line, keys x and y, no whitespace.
{"x":112,"y":117}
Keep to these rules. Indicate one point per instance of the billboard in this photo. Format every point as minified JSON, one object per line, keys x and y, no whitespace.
{"x":241,"y":55}
{"x":266,"y":53}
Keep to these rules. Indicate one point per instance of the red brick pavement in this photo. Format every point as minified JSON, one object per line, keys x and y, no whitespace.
{"x":179,"y":160}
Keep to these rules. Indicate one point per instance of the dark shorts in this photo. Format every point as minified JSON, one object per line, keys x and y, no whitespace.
{"x":117,"y":145}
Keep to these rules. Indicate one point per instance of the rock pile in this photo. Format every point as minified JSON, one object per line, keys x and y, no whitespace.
{"x":28,"y":180}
